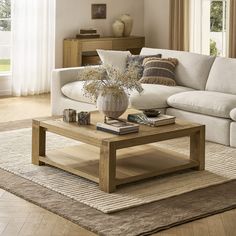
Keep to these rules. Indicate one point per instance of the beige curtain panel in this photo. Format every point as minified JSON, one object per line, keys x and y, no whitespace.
{"x":179,"y":25}
{"x":232,"y":29}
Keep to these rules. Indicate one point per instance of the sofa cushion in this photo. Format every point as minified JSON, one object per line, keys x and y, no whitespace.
{"x":204,"y":102}
{"x":117,"y":59}
{"x":233,"y":114}
{"x":217,"y":129}
{"x":222,"y":77}
{"x":192,"y":70}
{"x":74,"y":91}
{"x":138,"y":59}
{"x":154,"y":96}
{"x":159,"y":71}
{"x":233,"y":134}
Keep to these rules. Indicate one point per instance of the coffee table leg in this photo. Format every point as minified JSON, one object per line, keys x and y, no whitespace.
{"x":197,"y":148}
{"x":38,"y":142}
{"x":107,"y":168}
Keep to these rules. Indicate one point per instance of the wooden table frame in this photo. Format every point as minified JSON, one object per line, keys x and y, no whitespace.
{"x":108,"y":148}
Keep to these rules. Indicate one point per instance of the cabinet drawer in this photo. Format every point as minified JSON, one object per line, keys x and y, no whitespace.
{"x":94,"y":45}
{"x":128,"y":43}
{"x":91,"y":60}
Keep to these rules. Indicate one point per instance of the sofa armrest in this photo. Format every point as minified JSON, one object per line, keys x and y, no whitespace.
{"x":60,"y":77}
{"x":233,"y":114}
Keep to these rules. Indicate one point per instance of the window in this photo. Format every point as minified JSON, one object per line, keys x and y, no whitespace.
{"x":218,"y":28}
{"x":5,"y":36}
{"x":209,"y":26}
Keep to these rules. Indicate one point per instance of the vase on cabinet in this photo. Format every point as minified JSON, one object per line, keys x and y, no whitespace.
{"x":128,"y":24}
{"x":118,"y":28}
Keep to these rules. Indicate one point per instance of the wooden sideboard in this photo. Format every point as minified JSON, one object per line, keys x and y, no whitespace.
{"x":78,"y":52}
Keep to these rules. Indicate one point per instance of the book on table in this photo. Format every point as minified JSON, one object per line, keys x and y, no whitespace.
{"x":118,"y":127}
{"x":152,"y":121}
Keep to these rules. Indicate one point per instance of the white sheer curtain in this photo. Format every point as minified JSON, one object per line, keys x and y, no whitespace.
{"x":199,"y":26}
{"x":32,"y":46}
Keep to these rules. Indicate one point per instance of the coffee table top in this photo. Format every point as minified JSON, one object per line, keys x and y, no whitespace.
{"x":88,"y":133}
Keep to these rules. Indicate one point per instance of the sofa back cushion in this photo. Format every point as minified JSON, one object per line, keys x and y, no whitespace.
{"x":222,"y":77}
{"x":192,"y":70}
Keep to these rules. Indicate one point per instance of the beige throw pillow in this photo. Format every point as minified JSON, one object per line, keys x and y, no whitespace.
{"x":159,"y":71}
{"x":117,"y":59}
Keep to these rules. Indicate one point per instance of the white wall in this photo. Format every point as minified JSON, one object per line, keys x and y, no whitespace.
{"x":71,"y":15}
{"x":156,"y":23}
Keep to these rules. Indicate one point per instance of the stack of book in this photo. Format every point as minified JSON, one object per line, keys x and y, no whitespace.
{"x":152,"y":121}
{"x":87,"y":34}
{"x":118,"y":127}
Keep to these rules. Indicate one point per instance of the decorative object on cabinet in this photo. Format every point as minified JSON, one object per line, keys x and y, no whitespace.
{"x":87,"y":34}
{"x":128,"y":23}
{"x":118,"y":28}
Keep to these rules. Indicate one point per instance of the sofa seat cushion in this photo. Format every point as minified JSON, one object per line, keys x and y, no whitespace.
{"x":75,"y":92}
{"x":154,"y":96}
{"x":233,"y":114}
{"x":204,"y":102}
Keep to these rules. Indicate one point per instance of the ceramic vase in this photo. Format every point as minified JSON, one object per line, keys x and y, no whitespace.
{"x":118,"y":28}
{"x":112,"y":104}
{"x":128,"y":23}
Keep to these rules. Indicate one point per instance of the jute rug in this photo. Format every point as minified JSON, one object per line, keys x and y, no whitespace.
{"x":142,"y":220}
{"x":15,"y":157}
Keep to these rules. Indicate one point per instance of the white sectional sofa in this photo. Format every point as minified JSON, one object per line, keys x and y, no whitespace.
{"x":206,"y":93}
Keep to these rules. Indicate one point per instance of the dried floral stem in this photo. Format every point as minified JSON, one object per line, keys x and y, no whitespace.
{"x":102,"y":79}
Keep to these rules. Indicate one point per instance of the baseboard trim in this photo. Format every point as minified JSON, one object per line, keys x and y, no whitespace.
{"x":5,"y":92}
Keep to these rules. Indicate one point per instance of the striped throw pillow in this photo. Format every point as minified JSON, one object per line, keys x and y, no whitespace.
{"x":138,"y":61}
{"x":159,"y":71}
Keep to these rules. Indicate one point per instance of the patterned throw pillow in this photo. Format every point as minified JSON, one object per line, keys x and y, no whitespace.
{"x":159,"y":71}
{"x":138,"y":60}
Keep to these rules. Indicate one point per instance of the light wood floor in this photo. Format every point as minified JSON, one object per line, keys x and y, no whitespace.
{"x":19,"y":108}
{"x":19,"y":217}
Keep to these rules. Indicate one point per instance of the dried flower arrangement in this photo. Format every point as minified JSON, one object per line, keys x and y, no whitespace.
{"x":101,"y":79}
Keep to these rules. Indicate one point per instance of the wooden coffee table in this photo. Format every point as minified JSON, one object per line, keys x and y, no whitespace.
{"x":111,"y":160}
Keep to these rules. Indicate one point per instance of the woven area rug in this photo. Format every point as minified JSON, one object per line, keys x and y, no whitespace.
{"x":143,"y":220}
{"x":16,"y":158}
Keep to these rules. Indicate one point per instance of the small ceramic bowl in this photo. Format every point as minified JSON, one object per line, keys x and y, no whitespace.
{"x":151,"y":112}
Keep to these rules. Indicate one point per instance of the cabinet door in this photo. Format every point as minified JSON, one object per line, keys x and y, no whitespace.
{"x":72,"y":56}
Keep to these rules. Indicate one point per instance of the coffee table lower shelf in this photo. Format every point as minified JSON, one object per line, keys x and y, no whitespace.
{"x":132,"y":164}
